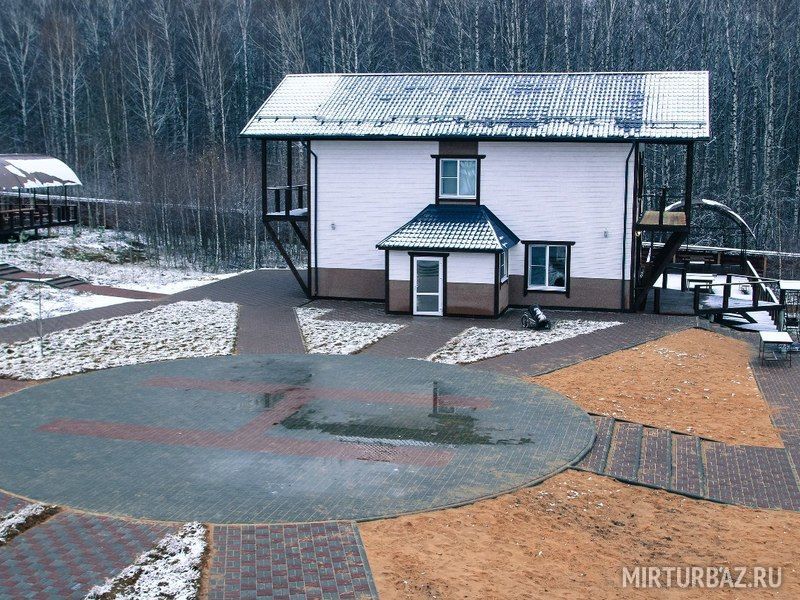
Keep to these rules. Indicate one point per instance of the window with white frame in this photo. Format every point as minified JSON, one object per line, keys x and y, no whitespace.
{"x":548,"y":267}
{"x":503,"y":265}
{"x":458,"y":178}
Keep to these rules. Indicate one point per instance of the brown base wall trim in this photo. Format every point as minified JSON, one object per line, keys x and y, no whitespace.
{"x":347,"y":298}
{"x":365,"y":284}
{"x":571,"y":308}
{"x":584,"y":293}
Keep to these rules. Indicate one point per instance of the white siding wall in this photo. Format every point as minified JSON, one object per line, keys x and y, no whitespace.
{"x":470,"y":267}
{"x":368,"y":189}
{"x":561,"y":191}
{"x":547,"y":190}
{"x":399,"y":266}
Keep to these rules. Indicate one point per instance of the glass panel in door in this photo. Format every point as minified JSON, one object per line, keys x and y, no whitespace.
{"x":427,"y":286}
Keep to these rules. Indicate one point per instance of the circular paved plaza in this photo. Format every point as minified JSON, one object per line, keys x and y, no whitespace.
{"x":261,"y":439}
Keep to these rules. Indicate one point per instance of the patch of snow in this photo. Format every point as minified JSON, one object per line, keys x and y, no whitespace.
{"x":477,"y":343}
{"x":170,"y":570}
{"x":338,"y":337}
{"x":179,"y":330}
{"x":19,"y":302}
{"x":16,"y":521}
{"x":102,"y":258}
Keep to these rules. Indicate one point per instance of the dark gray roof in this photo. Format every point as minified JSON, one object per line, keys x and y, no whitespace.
{"x":31,"y":171}
{"x":452,"y":227}
{"x":669,"y":105}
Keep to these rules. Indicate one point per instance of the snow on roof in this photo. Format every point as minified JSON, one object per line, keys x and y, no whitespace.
{"x":29,"y":171}
{"x":670,"y":105}
{"x":465,"y":227}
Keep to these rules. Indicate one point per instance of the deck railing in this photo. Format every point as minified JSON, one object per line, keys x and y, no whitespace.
{"x":756,"y":284}
{"x":659,"y":201}
{"x":283,"y":199}
{"x":14,"y":219}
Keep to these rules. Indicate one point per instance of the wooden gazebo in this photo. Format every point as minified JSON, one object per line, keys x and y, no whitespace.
{"x":33,"y":193}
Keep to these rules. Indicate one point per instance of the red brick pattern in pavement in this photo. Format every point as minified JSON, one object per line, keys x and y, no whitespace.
{"x":746,"y":475}
{"x":353,"y":394}
{"x":248,"y":439}
{"x":63,"y":557}
{"x":117,"y":292}
{"x":307,"y":560}
{"x":10,"y":503}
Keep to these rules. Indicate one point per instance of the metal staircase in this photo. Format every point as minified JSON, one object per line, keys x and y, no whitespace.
{"x":289,"y":204}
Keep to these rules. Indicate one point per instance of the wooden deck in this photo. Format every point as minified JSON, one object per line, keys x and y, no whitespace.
{"x":676,"y":302}
{"x":653,"y":219}
{"x":14,"y":219}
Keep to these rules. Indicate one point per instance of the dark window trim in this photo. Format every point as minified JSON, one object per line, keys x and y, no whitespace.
{"x":477,"y":199}
{"x":386,"y":282}
{"x":411,"y":257}
{"x":497,"y":284}
{"x":567,"y":275}
{"x":506,"y":256}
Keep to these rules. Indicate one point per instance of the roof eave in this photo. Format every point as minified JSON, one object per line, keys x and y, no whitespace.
{"x":372,"y":137}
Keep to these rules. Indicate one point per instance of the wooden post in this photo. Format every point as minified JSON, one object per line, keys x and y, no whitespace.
{"x":288,"y":176}
{"x":687,"y":198}
{"x":726,"y":294}
{"x":657,"y":301}
{"x":264,"y":207}
{"x":696,"y":299}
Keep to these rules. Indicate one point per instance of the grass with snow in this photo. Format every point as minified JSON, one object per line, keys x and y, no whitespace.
{"x":179,"y":330}
{"x":170,"y":570}
{"x":19,"y":302}
{"x":18,"y":521}
{"x":477,"y":343}
{"x":102,"y":257}
{"x":338,"y":337}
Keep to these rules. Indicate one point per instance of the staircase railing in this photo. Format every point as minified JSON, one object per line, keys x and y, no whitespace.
{"x":766,"y":290}
{"x":756,"y":285}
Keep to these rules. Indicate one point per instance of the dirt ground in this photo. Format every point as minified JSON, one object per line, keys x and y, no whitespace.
{"x":570,"y":537}
{"x":695,"y":381}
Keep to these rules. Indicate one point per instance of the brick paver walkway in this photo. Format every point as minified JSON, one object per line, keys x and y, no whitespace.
{"x":66,"y":555}
{"x":747,"y":475}
{"x":9,"y":503}
{"x":307,"y":560}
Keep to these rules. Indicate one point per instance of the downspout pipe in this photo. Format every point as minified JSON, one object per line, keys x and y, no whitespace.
{"x":313,"y":154}
{"x":625,"y":231}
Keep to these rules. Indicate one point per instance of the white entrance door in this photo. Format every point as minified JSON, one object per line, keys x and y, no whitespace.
{"x":428,"y":285}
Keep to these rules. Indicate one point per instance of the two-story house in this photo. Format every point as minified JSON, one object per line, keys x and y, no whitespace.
{"x":464,"y":194}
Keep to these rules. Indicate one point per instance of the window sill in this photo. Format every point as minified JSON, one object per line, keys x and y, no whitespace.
{"x":503,"y":279}
{"x":547,"y":290}
{"x":472,"y":198}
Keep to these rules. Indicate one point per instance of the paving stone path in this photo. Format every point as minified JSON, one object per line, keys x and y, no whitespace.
{"x":304,"y":560}
{"x":747,"y":475}
{"x":100,"y":290}
{"x":69,"y":553}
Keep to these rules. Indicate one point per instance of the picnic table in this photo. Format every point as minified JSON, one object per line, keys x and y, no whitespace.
{"x":770,"y":343}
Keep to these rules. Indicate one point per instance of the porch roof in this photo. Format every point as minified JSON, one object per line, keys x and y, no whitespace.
{"x":655,"y":106}
{"x":452,"y":227}
{"x":31,"y":171}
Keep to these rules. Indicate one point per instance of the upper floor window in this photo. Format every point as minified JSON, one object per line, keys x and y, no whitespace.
{"x":502,"y":265}
{"x":458,"y":178}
